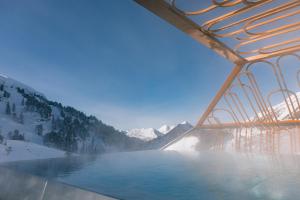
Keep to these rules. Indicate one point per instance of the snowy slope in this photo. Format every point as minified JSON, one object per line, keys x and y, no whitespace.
{"x":14,"y":84}
{"x":30,"y":116}
{"x":36,"y":119}
{"x":14,"y":150}
{"x":31,"y":119}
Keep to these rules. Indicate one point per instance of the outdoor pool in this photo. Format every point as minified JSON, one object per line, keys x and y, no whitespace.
{"x":205,"y":174}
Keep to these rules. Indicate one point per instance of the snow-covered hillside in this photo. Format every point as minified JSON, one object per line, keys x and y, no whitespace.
{"x":5,"y":80}
{"x":14,"y":118}
{"x":26,"y":114}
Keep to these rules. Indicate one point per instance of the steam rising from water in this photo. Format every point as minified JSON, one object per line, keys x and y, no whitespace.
{"x":235,"y":164}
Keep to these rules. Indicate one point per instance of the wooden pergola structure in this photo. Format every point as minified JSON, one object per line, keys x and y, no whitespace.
{"x":248,"y":33}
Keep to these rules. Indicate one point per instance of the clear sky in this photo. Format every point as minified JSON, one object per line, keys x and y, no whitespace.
{"x":109,"y":58}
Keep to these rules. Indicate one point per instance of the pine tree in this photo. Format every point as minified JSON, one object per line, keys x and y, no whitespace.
{"x":53,"y":123}
{"x":14,"y":108}
{"x":39,"y":129}
{"x":1,"y":137}
{"x":1,"y":87}
{"x":21,"y":118}
{"x":23,"y":102}
{"x":14,"y":115}
{"x":6,"y":94}
{"x":8,"y":110}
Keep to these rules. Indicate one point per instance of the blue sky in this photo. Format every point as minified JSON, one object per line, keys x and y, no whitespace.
{"x":112,"y":59}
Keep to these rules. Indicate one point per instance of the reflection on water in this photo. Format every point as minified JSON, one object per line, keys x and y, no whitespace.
{"x":52,"y":168}
{"x":232,"y":164}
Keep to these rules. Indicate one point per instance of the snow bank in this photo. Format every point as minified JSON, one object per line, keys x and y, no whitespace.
{"x":20,"y":150}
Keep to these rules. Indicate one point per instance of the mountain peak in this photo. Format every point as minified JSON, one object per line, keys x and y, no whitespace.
{"x":148,"y":134}
{"x":174,"y":133}
{"x":165,"y":129}
{"x":186,"y":123}
{"x":145,"y":134}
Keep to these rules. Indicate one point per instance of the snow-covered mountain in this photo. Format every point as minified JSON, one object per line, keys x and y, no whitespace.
{"x":26,"y":114}
{"x":13,"y":113}
{"x":282,"y":111}
{"x":174,"y":133}
{"x":145,"y":134}
{"x":163,"y":134}
{"x":165,"y":129}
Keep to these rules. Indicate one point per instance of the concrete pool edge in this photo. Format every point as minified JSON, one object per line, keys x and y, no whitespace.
{"x":15,"y":186}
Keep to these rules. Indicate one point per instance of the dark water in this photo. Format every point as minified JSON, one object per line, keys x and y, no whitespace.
{"x":169,"y":175}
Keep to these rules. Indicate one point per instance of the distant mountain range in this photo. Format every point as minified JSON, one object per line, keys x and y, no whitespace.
{"x":145,"y":134}
{"x":174,"y":133}
{"x":26,"y":114}
{"x":148,"y":134}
